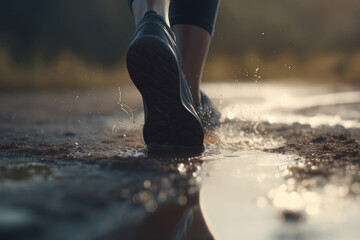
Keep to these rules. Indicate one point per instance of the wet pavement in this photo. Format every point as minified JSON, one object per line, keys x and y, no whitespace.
{"x":73,"y":166}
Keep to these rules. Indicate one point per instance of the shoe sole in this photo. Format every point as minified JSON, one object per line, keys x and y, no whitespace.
{"x":169,"y":125}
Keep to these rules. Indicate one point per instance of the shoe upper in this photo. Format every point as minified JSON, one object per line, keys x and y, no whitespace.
{"x":155,"y":25}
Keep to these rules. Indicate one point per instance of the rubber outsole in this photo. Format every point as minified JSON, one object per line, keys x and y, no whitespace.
{"x":169,"y":125}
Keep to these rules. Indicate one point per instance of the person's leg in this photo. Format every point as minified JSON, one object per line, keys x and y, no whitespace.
{"x":155,"y":67}
{"x":193,"y":43}
{"x":140,"y":7}
{"x":193,"y":24}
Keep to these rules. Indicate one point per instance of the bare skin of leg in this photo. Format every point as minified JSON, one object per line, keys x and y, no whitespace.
{"x":140,"y":7}
{"x":193,"y":43}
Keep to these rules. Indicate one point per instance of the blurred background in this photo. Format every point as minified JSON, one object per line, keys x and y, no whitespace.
{"x":82,"y":43}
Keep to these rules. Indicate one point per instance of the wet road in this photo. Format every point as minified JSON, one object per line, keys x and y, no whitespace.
{"x":73,"y":166}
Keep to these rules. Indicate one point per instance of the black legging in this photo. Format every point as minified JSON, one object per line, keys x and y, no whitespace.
{"x":201,"y":13}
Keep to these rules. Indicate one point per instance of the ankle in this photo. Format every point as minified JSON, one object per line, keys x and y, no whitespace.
{"x":140,"y":7}
{"x":196,"y":97}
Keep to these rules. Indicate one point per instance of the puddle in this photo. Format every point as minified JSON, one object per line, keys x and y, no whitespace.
{"x":233,"y":193}
{"x":254,"y":195}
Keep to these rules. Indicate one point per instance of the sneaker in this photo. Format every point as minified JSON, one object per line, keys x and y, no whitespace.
{"x":208,"y":113}
{"x":155,"y":67}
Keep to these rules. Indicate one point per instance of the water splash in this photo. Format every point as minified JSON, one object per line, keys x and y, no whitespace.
{"x":120,"y":125}
{"x":127,"y":109}
{"x":283,"y":105}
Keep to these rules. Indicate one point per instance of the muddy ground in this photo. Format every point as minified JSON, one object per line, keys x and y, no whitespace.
{"x":73,"y":166}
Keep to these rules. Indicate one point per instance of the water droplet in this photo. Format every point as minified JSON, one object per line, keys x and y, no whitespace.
{"x":355,"y":187}
{"x":150,"y":205}
{"x":147,"y":184}
{"x":181,"y":168}
{"x":162,"y":196}
{"x":182,"y":200}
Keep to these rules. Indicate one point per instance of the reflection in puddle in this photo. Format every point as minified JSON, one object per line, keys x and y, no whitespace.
{"x":171,"y":200}
{"x":181,"y":219}
{"x":254,"y":195}
{"x":232,"y":194}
